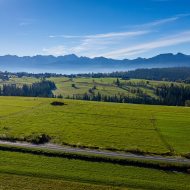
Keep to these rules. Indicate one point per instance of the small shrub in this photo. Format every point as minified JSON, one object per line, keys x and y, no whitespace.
{"x":73,"y":85}
{"x":56,"y":103}
{"x":38,"y":138}
{"x":187,"y":155}
{"x":90,"y":90}
{"x":6,"y":128}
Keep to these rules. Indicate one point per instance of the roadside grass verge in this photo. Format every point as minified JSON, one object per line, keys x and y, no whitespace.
{"x":37,"y":138}
{"x":160,"y":165}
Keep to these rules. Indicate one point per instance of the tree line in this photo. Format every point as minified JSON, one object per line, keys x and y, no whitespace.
{"x":38,"y":89}
{"x":172,"y":95}
{"x":180,"y":74}
{"x":146,"y":99}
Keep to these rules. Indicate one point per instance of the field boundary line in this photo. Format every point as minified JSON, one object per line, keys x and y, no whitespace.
{"x":162,"y":138}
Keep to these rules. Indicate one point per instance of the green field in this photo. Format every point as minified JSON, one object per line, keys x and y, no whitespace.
{"x":26,"y":170}
{"x":127,"y":127}
{"x":105,"y":86}
{"x":23,"y":182}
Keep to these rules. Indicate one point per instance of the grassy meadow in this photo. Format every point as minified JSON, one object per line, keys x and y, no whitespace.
{"x":105,"y":86}
{"x":126,"y":127}
{"x":40,"y":169}
{"x":115,"y":126}
{"x":23,"y":182}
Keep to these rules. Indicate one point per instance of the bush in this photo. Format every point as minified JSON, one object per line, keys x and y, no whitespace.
{"x":73,"y":85}
{"x":38,"y":138}
{"x":56,"y":103}
{"x":187,"y":155}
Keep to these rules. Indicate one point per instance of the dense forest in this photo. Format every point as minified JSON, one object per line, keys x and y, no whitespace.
{"x":161,"y":74}
{"x":39,"y":89}
{"x":181,"y":74}
{"x":173,"y":94}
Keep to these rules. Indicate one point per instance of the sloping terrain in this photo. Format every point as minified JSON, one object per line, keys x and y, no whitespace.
{"x":126,"y":127}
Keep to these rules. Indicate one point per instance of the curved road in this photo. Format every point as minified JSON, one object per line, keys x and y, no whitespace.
{"x":49,"y":146}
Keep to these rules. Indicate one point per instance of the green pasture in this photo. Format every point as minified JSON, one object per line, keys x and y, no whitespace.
{"x":126,"y":127}
{"x":105,"y":86}
{"x":23,"y":182}
{"x":95,"y":173}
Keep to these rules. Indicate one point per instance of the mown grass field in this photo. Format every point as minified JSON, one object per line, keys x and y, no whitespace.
{"x":21,"y":168}
{"x":127,"y":127}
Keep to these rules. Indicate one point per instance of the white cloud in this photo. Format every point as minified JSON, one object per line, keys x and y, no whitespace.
{"x":180,"y":38}
{"x":102,"y":41}
{"x":109,"y":44}
{"x":104,"y":35}
{"x":128,"y":33}
{"x":64,"y":36}
{"x":91,"y":43}
{"x":117,"y":34}
{"x":161,"y":21}
{"x":93,"y":47}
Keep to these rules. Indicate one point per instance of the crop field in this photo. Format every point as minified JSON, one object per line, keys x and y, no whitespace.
{"x":39,"y":169}
{"x":126,"y":127}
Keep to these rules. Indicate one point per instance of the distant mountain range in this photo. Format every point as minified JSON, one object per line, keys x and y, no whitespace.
{"x":73,"y":64}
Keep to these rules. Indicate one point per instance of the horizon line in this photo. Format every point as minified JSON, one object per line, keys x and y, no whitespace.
{"x":21,"y":56}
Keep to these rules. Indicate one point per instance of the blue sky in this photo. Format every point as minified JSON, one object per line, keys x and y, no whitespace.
{"x":111,"y":28}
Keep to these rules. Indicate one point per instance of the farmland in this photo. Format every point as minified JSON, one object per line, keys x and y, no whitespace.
{"x":19,"y":182}
{"x":125,"y":127}
{"x":64,"y":172}
{"x":141,"y":129}
{"x":105,"y":86}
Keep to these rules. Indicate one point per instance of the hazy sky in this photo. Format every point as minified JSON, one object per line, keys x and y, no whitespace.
{"x":111,"y":28}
